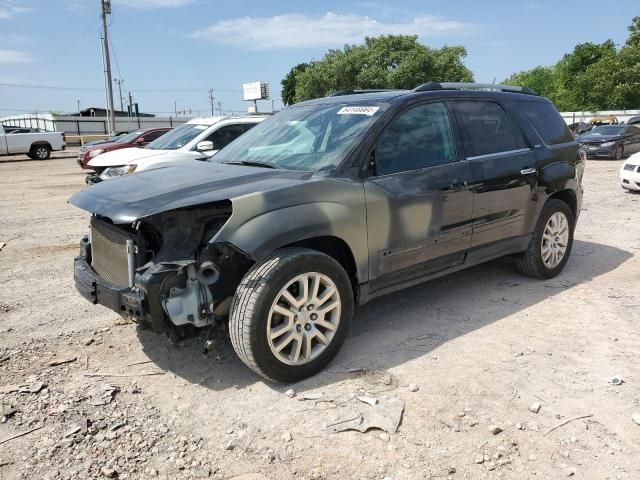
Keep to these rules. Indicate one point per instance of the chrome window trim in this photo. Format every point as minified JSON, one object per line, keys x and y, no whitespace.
{"x":500,"y":154}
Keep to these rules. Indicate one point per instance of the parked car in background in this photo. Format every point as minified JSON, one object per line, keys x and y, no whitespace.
{"x":198,"y":139}
{"x":630,"y":173}
{"x":139,"y":138}
{"x":604,"y":120}
{"x":633,"y":120}
{"x":105,"y":140}
{"x":611,"y":141}
{"x":327,"y":205}
{"x":579,"y":128}
{"x":37,"y":145}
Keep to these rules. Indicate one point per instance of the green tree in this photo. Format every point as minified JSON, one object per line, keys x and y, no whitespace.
{"x":289,"y":83}
{"x":594,"y":76}
{"x":388,"y":61}
{"x":540,"y":79}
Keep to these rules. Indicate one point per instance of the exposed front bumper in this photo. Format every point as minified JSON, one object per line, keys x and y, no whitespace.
{"x":92,"y":179}
{"x":122,"y":300}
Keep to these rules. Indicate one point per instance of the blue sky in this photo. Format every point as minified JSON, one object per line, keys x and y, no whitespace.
{"x":175,"y":50}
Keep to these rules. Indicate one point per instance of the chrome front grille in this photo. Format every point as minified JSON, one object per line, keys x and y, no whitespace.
{"x":109,"y":252}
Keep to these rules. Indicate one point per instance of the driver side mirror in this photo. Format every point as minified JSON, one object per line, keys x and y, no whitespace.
{"x":205,"y":146}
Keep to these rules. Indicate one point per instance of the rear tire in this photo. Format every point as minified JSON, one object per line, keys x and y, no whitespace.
{"x":40,"y":152}
{"x":283,"y":330}
{"x":550,"y":245}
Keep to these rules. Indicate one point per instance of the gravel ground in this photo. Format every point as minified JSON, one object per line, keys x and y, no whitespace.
{"x":487,"y":363}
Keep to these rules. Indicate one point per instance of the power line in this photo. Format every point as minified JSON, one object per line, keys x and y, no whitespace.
{"x":94,"y":89}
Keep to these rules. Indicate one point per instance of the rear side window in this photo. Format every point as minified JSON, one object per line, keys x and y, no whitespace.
{"x":151,"y":136}
{"x":225,"y":135}
{"x":547,"y":122}
{"x":486,"y":128}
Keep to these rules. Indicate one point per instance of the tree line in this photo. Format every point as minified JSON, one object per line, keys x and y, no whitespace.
{"x":594,"y":76}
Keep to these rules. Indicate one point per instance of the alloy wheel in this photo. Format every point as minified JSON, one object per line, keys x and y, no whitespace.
{"x":618,"y":153}
{"x":303,"y":318}
{"x":41,"y":152}
{"x":555,"y":239}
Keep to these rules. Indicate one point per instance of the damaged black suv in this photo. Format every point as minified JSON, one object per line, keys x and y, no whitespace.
{"x":328,"y":204}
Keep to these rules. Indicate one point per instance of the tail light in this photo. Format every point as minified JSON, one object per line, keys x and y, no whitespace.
{"x":64,"y":137}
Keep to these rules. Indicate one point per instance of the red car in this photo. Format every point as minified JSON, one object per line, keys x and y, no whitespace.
{"x":139,"y":138}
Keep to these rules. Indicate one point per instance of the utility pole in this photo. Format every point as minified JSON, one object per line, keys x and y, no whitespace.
{"x":78,"y":101}
{"x":106,"y":10}
{"x":211,"y":100}
{"x":220,"y":108}
{"x":130,"y":111}
{"x":175,"y":107}
{"x":119,"y":82}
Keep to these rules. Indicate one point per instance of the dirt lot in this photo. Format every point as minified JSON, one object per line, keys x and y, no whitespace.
{"x":482,"y":346}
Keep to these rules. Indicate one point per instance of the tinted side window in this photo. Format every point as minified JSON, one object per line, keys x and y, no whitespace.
{"x":151,"y":136}
{"x":418,"y":138}
{"x":547,"y":122}
{"x":247,"y":126}
{"x":224,"y":136}
{"x":486,"y":128}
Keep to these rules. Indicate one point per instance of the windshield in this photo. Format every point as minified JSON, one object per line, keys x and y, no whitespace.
{"x":306,"y":137}
{"x":129,"y":137}
{"x":178,"y":137}
{"x":608,"y":130}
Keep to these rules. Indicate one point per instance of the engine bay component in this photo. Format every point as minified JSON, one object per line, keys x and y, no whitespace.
{"x":208,"y":273}
{"x":191,"y":304}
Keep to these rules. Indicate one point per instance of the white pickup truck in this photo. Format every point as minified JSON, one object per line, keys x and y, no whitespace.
{"x":36,"y":144}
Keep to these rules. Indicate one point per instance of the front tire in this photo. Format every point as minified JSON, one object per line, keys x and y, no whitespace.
{"x":619,"y":152}
{"x":291,"y":314}
{"x":551,"y":242}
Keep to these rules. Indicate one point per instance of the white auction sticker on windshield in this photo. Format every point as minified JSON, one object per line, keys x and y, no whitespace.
{"x":359,"y":110}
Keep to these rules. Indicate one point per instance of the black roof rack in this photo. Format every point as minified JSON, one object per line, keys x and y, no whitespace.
{"x":431,"y":86}
{"x":339,"y":93}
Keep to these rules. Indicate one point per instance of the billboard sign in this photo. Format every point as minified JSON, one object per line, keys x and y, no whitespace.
{"x":255,"y":91}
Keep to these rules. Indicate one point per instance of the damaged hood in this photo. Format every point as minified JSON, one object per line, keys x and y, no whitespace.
{"x":131,"y":197}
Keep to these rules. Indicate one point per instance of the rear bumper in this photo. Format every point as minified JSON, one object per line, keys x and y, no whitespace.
{"x":122,"y":300}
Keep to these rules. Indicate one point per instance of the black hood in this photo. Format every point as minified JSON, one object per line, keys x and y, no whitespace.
{"x":598,"y":138}
{"x":132,"y":197}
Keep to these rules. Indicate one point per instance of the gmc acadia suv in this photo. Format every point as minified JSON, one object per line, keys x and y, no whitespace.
{"x":328,"y":204}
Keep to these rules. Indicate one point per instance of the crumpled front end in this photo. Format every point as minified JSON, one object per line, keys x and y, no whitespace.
{"x":162,"y":270}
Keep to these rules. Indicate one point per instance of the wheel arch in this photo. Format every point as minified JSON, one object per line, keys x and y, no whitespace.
{"x":569,"y":197}
{"x":39,"y":143}
{"x":337,"y":249}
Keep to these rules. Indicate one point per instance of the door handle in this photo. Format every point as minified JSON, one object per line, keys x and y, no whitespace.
{"x":456,"y":185}
{"x":528,"y":171}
